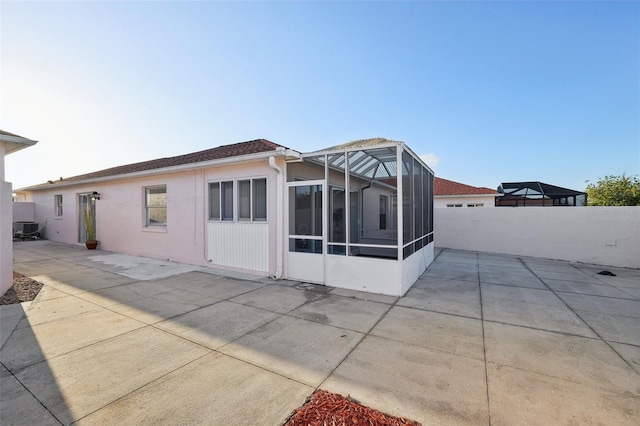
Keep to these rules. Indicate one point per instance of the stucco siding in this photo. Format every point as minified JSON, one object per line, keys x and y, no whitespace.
{"x":120,"y":216}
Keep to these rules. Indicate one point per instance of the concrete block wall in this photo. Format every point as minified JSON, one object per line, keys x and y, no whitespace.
{"x":599,"y":235}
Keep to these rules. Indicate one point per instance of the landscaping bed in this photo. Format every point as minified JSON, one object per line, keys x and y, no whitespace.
{"x":329,"y":409}
{"x":24,"y":289}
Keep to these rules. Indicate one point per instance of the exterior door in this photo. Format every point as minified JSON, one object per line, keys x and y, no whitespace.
{"x":86,"y":205}
{"x":306,"y":245}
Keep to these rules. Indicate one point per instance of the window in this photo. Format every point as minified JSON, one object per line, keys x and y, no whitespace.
{"x":454,"y":205}
{"x":251,"y":200}
{"x":476,"y":205}
{"x":384,"y":206}
{"x":58,"y":205}
{"x":259,"y":199}
{"x":156,"y":205}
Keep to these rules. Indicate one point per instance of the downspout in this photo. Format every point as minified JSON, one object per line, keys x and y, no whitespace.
{"x":279,"y":218}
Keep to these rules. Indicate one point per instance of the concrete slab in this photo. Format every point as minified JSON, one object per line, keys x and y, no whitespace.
{"x":51,"y":310}
{"x":554,"y":354}
{"x":530,"y":308}
{"x":299,"y":349}
{"x":537,"y":264}
{"x":603,"y":305}
{"x":445,"y":296}
{"x":28,"y":345}
{"x":512,"y":269}
{"x":447,"y":267}
{"x":630,"y":353}
{"x":380,"y":298}
{"x":523,"y":397}
{"x":219,"y":288}
{"x":215,"y":389}
{"x":442,"y":332}
{"x":614,"y":328}
{"x":216,"y":325}
{"x":10,"y":316}
{"x":423,"y":359}
{"x":79,"y":279}
{"x":277,"y":298}
{"x":411,"y":381}
{"x":517,"y":280}
{"x":123,"y":293}
{"x":134,"y":359}
{"x":574,"y":275}
{"x":40,"y":267}
{"x":153,"y":309}
{"x":137,"y":267}
{"x":344,"y":312}
{"x":18,"y":407}
{"x":49,"y":293}
{"x":587,"y":289}
{"x":452,"y":274}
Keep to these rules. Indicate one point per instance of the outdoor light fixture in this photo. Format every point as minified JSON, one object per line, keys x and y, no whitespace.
{"x":95,"y":196}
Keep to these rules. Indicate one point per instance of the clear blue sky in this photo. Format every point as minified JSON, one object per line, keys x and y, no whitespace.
{"x":488,"y":91}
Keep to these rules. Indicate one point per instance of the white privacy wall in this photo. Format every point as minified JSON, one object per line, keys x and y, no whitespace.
{"x":599,"y":235}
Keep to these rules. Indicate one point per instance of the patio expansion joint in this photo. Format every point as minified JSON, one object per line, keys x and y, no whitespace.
{"x":484,"y":345}
{"x":31,"y":393}
{"x":582,"y":319}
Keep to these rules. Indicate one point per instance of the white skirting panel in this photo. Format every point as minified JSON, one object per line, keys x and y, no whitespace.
{"x":239,"y":245}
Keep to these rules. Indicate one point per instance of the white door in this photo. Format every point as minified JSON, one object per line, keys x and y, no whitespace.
{"x":306,"y":245}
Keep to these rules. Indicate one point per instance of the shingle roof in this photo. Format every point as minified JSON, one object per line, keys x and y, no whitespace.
{"x":443,"y":187}
{"x":242,"y":148}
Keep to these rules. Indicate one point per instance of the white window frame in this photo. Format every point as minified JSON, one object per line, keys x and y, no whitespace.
{"x":236,"y":207}
{"x":57,"y":205}
{"x":147,"y":207}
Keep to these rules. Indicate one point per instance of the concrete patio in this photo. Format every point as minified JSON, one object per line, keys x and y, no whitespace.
{"x":479,"y":339}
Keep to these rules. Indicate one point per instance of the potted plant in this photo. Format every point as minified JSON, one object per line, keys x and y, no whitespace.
{"x":89,"y":224}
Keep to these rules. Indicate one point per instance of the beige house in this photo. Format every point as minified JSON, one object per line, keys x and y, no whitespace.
{"x":448,"y":193}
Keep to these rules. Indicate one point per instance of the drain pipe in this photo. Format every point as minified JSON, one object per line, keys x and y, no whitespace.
{"x":279,"y":217}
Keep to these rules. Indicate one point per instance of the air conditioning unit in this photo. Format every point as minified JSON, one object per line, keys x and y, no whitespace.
{"x":25,"y":230}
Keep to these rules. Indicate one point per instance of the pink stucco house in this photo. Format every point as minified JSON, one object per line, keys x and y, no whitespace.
{"x":357,"y":216}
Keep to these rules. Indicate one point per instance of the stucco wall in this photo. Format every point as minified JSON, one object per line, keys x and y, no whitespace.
{"x":120,"y":217}
{"x":599,"y":235}
{"x":6,"y":237}
{"x":24,"y":212}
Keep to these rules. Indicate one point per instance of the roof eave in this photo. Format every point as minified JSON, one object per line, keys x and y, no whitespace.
{"x":15,"y":143}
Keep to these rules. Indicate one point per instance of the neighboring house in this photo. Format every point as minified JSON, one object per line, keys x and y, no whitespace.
{"x":356,"y":216}
{"x":9,"y":143}
{"x":455,"y":194}
{"x":538,"y":194}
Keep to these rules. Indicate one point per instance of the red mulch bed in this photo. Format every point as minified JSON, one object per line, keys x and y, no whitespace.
{"x":330,"y":409}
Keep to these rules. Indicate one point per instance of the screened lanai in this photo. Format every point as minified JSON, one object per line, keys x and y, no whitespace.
{"x":538,"y":194}
{"x":360,"y":216}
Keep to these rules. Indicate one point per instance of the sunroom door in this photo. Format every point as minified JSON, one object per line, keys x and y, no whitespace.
{"x":305,"y":261}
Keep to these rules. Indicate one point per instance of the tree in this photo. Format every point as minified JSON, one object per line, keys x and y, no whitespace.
{"x":614,"y":191}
